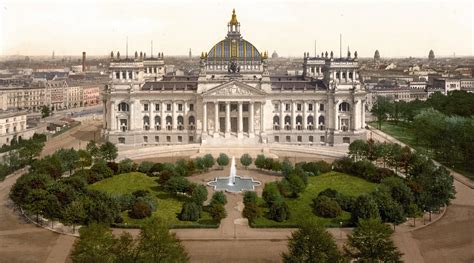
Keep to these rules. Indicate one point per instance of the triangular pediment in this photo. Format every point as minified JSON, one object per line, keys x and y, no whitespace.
{"x":234,"y":88}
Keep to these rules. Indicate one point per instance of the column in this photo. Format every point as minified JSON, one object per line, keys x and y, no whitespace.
{"x":317,"y":114}
{"x":363,"y":114}
{"x":336,"y":115}
{"x":356,"y":116}
{"x":204,"y":117}
{"x":353,"y":75}
{"x":293,"y":115}
{"x":132,"y":116}
{"x":216,"y":119}
{"x":175,"y":121}
{"x":251,"y":119}
{"x":262,"y":116}
{"x":227,"y":118}
{"x":282,"y":115}
{"x":347,"y":75}
{"x":113,"y":109}
{"x":240,"y":121}
{"x":304,"y":115}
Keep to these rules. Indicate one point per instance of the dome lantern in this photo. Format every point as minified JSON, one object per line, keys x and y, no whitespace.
{"x":233,"y":26}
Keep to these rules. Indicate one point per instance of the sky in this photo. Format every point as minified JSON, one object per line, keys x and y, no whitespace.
{"x":399,"y":28}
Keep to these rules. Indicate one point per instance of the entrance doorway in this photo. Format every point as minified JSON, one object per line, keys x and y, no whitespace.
{"x":222,"y":124}
{"x":233,"y":124}
{"x":246,"y":124}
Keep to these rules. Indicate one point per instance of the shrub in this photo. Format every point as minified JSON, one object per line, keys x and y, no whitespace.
{"x":382,"y":173}
{"x":208,"y":161}
{"x":329,"y":192}
{"x":279,"y":210}
{"x":177,"y":184}
{"x":101,"y":169}
{"x":190,"y":212}
{"x":146,"y":167}
{"x":113,"y":166}
{"x":346,"y":202}
{"x":268,"y":163}
{"x":222,"y":160}
{"x":250,"y":197}
{"x":324,"y":167}
{"x":296,"y":184}
{"x":199,"y":194}
{"x":217,"y":211}
{"x":127,"y":166}
{"x":326,"y":207}
{"x":125,"y":201}
{"x":284,"y":188}
{"x":364,"y":169}
{"x":270,"y":193}
{"x":260,"y":161}
{"x":251,"y":211}
{"x":364,"y":207}
{"x":164,"y":176}
{"x":219,"y":198}
{"x":140,"y":210}
{"x":343,"y":165}
{"x":246,"y":160}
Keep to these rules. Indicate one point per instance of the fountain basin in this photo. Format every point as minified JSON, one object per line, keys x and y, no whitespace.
{"x":240,"y":184}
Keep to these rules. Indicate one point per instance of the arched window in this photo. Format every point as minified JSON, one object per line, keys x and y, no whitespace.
{"x":191,"y":122}
{"x":157,"y":123}
{"x":123,"y":106}
{"x":321,"y":123}
{"x":299,"y":121}
{"x":310,"y":122}
{"x":276,"y":122}
{"x":288,"y":122}
{"x":180,"y":123}
{"x":169,"y":122}
{"x":344,"y":106}
{"x":146,"y":123}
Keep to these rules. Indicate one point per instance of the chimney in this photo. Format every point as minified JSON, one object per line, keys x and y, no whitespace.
{"x":83,"y":61}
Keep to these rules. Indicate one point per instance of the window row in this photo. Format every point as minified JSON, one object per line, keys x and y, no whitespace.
{"x":310,"y":125}
{"x":299,"y":106}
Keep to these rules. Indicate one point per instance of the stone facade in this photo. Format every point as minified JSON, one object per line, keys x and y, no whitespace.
{"x":235,"y":99}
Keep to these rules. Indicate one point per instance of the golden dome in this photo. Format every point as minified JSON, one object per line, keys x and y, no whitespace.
{"x":234,"y":21}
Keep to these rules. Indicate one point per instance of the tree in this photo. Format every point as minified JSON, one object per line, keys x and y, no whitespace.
{"x":36,"y":202}
{"x":94,"y":245}
{"x":30,"y":150}
{"x":85,"y":159}
{"x":108,"y":151}
{"x":251,"y":211}
{"x":125,"y":249}
{"x":146,"y":167}
{"x":219,"y":198}
{"x":199,"y":194}
{"x":92,"y":149}
{"x":222,"y":160}
{"x":250,"y":197}
{"x":177,"y":184}
{"x":279,"y":210}
{"x":312,"y":243}
{"x":190,"y":212}
{"x":389,"y":209}
{"x":45,"y":111}
{"x":380,"y":109}
{"x":140,"y":210}
{"x":157,"y":245}
{"x":69,"y":159}
{"x":326,"y":207}
{"x":208,"y":161}
{"x":246,"y":160}
{"x":364,"y":207}
{"x":370,"y":242}
{"x":358,"y":149}
{"x":74,"y":214}
{"x":217,"y":211}
{"x":413,"y":211}
{"x":260,"y":161}
{"x":126,"y":166}
{"x":101,"y":168}
{"x":270,"y":193}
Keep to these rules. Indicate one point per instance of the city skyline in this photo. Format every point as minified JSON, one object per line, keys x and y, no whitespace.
{"x":98,"y":28}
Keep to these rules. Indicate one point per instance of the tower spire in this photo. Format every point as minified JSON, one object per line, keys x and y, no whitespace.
{"x":234,"y":21}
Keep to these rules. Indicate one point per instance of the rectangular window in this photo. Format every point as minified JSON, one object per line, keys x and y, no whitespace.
{"x":310,"y":107}
{"x":287,"y":107}
{"x":191,"y":139}
{"x":180,"y":138}
{"x":275,"y":106}
{"x":180,"y":107}
{"x":168,"y":107}
{"x":298,"y":107}
{"x":346,"y":140}
{"x":322,"y":139}
{"x":117,"y":75}
{"x":145,"y":139}
{"x":157,"y":107}
{"x":311,"y":139}
{"x":321,"y":107}
{"x":277,"y":139}
{"x":288,"y":139}
{"x":168,"y":138}
{"x":157,"y":138}
{"x":299,"y":138}
{"x":130,"y":75}
{"x":121,"y":140}
{"x":191,"y":107}
{"x":145,"y":107}
{"x":245,"y":107}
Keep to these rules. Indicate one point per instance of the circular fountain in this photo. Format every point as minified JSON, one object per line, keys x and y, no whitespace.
{"x":233,"y":183}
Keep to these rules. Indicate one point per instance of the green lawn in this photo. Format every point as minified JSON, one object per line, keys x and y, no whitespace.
{"x":405,"y":133}
{"x":168,"y":206}
{"x":300,"y":208}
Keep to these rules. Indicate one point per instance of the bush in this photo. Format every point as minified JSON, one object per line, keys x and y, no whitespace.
{"x":101,"y":169}
{"x":364,"y":207}
{"x":190,"y":212}
{"x":343,"y":165}
{"x":208,"y":161}
{"x":217,"y":211}
{"x":250,"y":197}
{"x":268,"y":164}
{"x":326,"y":207}
{"x":251,"y":211}
{"x":260,"y":161}
{"x":324,"y":167}
{"x":146,"y":167}
{"x":382,"y":173}
{"x":270,"y":193}
{"x":364,"y":169}
{"x":246,"y":160}
{"x":164,"y":176}
{"x":177,"y":184}
{"x":140,"y":210}
{"x":279,"y":210}
{"x":346,"y":202}
{"x":199,"y":194}
{"x":113,"y":166}
{"x":328,"y":192}
{"x":219,"y":198}
{"x":127,"y":166}
{"x":223,"y":159}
